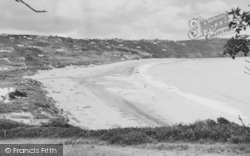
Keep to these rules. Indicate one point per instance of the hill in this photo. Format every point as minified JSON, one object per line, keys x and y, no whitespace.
{"x":58,"y":51}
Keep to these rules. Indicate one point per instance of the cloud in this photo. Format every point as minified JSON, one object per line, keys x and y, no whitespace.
{"x":131,"y":19}
{"x":135,"y":19}
{"x":19,"y":17}
{"x":212,"y":7}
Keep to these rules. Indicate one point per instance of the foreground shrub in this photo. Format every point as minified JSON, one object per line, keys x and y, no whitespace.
{"x":210,"y":122}
{"x":69,"y":132}
{"x":9,"y":124}
{"x":32,"y":132}
{"x":37,"y":132}
{"x":208,"y":130}
{"x":222,"y":121}
{"x":131,"y":138}
{"x":57,"y":122}
{"x":17,"y":93}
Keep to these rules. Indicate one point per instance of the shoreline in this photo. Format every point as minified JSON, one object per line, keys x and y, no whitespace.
{"x":217,"y":105}
{"x":205,"y":101}
{"x":115,"y":95}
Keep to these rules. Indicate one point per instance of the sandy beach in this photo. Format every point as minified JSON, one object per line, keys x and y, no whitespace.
{"x":131,"y":94}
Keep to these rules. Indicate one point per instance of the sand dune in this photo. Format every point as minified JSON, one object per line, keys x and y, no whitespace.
{"x":127,"y":94}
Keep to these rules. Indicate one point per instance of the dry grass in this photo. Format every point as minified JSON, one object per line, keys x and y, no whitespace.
{"x":170,"y":149}
{"x":93,"y":147}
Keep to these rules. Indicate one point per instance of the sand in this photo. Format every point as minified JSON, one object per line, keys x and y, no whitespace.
{"x":129,"y":94}
{"x":217,"y":83}
{"x":4,"y":92}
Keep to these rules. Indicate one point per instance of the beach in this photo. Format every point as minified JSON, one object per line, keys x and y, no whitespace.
{"x":139,"y":93}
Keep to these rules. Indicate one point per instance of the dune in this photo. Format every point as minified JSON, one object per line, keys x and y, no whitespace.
{"x":128,"y":94}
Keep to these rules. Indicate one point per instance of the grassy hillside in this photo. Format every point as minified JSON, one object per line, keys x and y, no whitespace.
{"x":57,"y":51}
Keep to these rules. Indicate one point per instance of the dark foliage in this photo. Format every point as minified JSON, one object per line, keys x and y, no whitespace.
{"x":131,"y":138}
{"x":17,"y":93}
{"x":222,"y":121}
{"x":208,"y":130}
{"x":235,"y":45}
{"x":57,"y":122}
{"x":240,"y":21}
{"x":9,"y":124}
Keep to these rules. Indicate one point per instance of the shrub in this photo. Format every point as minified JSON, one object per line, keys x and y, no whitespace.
{"x":68,"y":132}
{"x":210,"y":122}
{"x":9,"y":124}
{"x":57,"y":122}
{"x":136,"y":138}
{"x":222,"y":120}
{"x":130,"y":138}
{"x":207,"y":130}
{"x":13,"y":133}
{"x":17,"y":93}
{"x":33,"y":132}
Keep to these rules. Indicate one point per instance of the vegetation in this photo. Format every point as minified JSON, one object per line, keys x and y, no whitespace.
{"x":221,"y":130}
{"x":17,"y":93}
{"x":240,"y":22}
{"x":236,"y":45}
{"x":57,"y":122}
{"x":6,"y":124}
{"x":239,"y":43}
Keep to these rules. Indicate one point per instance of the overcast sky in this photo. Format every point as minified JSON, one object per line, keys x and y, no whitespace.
{"x":127,"y":19}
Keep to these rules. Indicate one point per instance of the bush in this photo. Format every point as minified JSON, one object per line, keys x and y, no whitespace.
{"x":36,"y":132}
{"x":17,"y":93}
{"x":210,"y":122}
{"x":136,"y":138}
{"x":208,"y":130}
{"x":33,"y":132}
{"x":131,"y":138}
{"x":9,"y":124}
{"x":222,"y":120}
{"x":68,"y":132}
{"x":57,"y":122}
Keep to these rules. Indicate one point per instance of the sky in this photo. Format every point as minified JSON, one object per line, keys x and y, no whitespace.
{"x":126,"y":19}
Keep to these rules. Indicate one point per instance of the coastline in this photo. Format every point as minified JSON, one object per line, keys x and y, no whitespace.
{"x":122,"y":95}
{"x":209,"y":102}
